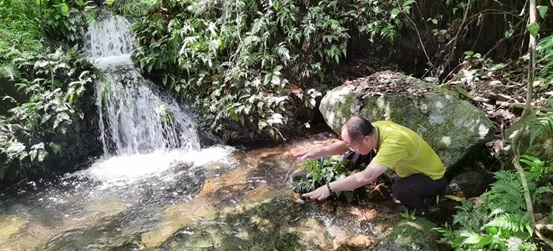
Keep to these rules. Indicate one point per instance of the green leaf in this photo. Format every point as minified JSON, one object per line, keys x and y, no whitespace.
{"x":395,"y":12}
{"x":509,"y":33}
{"x":533,"y":28}
{"x":408,"y":3}
{"x":453,"y":197}
{"x":497,"y":67}
{"x":64,"y":8}
{"x":463,"y":92}
{"x":542,"y":10}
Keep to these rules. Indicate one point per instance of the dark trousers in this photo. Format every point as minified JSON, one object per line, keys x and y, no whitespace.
{"x":411,"y":191}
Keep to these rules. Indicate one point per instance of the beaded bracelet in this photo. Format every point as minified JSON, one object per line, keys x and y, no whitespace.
{"x":328,"y":186}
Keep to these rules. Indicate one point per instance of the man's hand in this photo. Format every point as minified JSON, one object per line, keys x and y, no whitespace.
{"x":320,"y":193}
{"x":308,"y":154}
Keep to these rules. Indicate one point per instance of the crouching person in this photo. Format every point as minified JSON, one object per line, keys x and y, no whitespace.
{"x":394,"y":147}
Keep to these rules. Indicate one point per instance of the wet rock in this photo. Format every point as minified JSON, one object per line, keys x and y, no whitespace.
{"x":470,"y":184}
{"x":270,"y":225}
{"x":181,"y":166}
{"x":106,"y":236}
{"x":443,"y":212}
{"x":10,"y":225}
{"x":356,"y":242}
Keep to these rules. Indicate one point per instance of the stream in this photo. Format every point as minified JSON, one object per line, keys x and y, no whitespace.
{"x":156,"y":188}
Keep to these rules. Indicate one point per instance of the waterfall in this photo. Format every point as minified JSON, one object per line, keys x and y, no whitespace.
{"x":135,"y":116}
{"x":144,"y":131}
{"x":108,"y":41}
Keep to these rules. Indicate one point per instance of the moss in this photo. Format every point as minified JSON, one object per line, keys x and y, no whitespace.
{"x":410,"y":235}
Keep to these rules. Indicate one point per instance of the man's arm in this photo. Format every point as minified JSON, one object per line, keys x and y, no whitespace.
{"x":353,"y":181}
{"x":336,"y":148}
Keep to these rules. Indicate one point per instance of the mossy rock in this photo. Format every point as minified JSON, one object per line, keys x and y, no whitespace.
{"x":410,"y":235}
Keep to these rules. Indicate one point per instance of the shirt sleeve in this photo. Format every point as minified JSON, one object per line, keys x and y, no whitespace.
{"x":390,"y":154}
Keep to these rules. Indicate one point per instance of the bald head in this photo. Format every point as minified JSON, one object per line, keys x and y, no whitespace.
{"x":358,"y":127}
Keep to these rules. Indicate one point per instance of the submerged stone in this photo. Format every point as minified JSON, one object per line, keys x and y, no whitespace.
{"x":274,"y":224}
{"x":10,"y":225}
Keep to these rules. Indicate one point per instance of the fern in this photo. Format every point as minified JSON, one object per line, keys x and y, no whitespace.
{"x":499,"y":221}
{"x":506,"y":194}
{"x":545,"y":58}
{"x":541,"y":126}
{"x":511,"y":223}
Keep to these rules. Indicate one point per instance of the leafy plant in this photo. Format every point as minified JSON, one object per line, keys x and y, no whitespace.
{"x":130,"y":8}
{"x":499,"y":220}
{"x":541,"y":126}
{"x":21,"y":35}
{"x":318,"y":172}
{"x":65,"y":21}
{"x":46,"y":111}
{"x":537,"y":165}
{"x":409,"y":215}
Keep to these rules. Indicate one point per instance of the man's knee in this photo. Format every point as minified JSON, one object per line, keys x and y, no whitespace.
{"x":399,"y":189}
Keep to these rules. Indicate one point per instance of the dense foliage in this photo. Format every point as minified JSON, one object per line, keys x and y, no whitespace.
{"x":499,"y":220}
{"x":317,"y":172}
{"x":44,"y":87}
{"x":255,"y":64}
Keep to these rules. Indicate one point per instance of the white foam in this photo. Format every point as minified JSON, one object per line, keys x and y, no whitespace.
{"x":127,"y":169}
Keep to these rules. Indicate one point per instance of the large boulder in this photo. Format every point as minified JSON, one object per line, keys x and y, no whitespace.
{"x":450,"y":125}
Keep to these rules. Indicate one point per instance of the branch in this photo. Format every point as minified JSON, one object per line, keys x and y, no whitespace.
{"x":542,"y":226}
{"x":522,"y":105}
{"x":507,"y":104}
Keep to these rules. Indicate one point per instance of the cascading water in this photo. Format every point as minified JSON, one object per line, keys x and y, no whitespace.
{"x":135,"y":117}
{"x":143,"y":130}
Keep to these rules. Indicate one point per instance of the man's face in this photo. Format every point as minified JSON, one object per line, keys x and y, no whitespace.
{"x":362,"y":146}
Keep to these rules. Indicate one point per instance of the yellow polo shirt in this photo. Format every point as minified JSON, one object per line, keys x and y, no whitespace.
{"x":405,"y":152}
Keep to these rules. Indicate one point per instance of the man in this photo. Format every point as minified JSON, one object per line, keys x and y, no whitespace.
{"x":397,"y":148}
